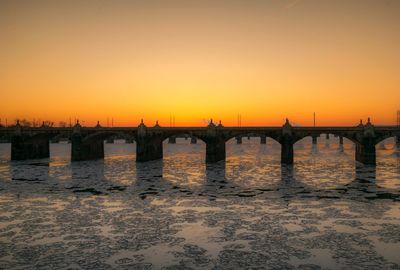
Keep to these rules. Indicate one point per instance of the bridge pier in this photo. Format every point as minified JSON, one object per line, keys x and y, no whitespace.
{"x":398,"y":142}
{"x":149,"y":146}
{"x":287,"y":151}
{"x":327,"y":136}
{"x":193,"y":140}
{"x":366,"y":153}
{"x":314,"y":145}
{"x":172,"y":140}
{"x":215,"y":150}
{"x":238,"y":140}
{"x":23,"y":148}
{"x":341,"y":140}
{"x":263,"y":139}
{"x":86,"y":150}
{"x":215,"y":144}
{"x":148,"y":149}
{"x":287,"y":143}
{"x":314,"y":140}
{"x":341,"y":148}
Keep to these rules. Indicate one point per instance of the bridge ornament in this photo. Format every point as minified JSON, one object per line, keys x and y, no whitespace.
{"x":287,"y":128}
{"x":142,"y":129}
{"x":360,"y":125}
{"x":369,"y":130}
{"x":157,"y":125}
{"x":77,"y":127}
{"x":211,"y":129}
{"x":18,"y":129}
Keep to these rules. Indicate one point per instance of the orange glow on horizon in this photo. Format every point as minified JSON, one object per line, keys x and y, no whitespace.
{"x":197,"y":60}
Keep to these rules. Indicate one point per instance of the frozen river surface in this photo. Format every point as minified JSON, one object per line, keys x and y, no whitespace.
{"x":324,"y":212}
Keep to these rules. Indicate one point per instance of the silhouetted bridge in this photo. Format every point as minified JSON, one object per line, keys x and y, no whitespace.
{"x":88,"y":142}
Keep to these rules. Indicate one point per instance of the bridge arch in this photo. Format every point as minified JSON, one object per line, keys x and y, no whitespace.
{"x":232,"y":135}
{"x":383,"y":137}
{"x":180,"y":134}
{"x":103,"y":135}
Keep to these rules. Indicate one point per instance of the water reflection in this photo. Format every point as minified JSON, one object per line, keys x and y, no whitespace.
{"x":251,"y":212}
{"x":32,"y":171}
{"x":216,"y":173}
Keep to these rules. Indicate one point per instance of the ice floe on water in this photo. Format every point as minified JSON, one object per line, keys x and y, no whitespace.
{"x":250,"y":212}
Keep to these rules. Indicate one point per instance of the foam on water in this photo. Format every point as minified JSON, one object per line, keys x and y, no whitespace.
{"x":324,"y":212}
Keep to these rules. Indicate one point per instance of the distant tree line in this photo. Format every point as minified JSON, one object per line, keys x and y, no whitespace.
{"x":26,"y":123}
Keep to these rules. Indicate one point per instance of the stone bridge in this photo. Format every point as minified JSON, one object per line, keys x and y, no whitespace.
{"x":88,"y":142}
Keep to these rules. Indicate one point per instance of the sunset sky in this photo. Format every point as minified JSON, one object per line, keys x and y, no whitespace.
{"x":196,"y":60}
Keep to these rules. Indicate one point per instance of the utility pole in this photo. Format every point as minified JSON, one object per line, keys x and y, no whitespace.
{"x":314,"y":119}
{"x":398,"y":118}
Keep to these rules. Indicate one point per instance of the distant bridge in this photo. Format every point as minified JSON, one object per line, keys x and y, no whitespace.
{"x":88,"y":142}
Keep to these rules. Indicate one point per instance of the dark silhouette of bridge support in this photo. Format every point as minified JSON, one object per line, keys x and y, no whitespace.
{"x":398,"y":142}
{"x":287,"y":151}
{"x":215,"y":150}
{"x":365,"y":146}
{"x":341,"y":148}
{"x":28,"y":147}
{"x":149,"y":146}
{"x":287,"y":143}
{"x":215,"y":144}
{"x":263,"y":139}
{"x":314,"y":140}
{"x":193,"y":140}
{"x":85,"y":149}
{"x":238,"y":140}
{"x":172,"y":140}
{"x":314,"y":145}
{"x":327,"y":136}
{"x":366,"y":153}
{"x":148,"y":149}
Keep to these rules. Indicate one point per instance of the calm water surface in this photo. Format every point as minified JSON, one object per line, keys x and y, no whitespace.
{"x":324,"y":212}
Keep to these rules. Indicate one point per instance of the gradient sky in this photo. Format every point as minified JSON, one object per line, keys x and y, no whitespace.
{"x":195,"y":60}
